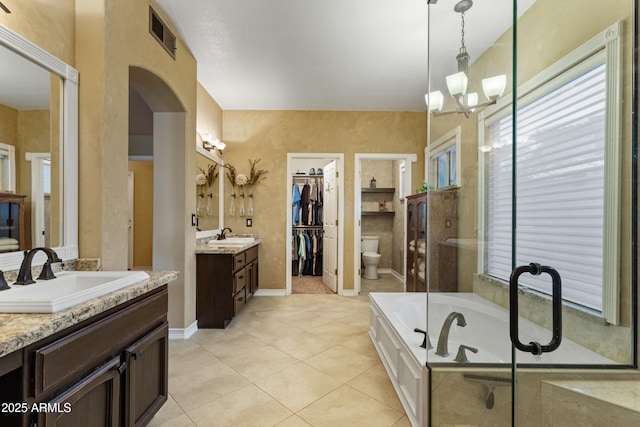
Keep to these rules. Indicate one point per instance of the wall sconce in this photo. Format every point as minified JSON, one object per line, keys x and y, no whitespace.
{"x":210,"y":142}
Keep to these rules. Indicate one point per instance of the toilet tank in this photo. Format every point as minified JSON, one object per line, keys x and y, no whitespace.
{"x":369,"y":244}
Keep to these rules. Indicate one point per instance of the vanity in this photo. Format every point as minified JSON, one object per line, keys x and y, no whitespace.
{"x":103,"y":360}
{"x":226,"y":279}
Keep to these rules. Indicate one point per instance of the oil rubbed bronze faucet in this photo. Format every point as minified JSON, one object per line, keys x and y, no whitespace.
{"x":221,"y":236}
{"x":24,"y":275}
{"x":443,"y":340}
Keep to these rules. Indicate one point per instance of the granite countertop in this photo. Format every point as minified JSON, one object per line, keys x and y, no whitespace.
{"x":18,"y":330}
{"x":204,"y":248}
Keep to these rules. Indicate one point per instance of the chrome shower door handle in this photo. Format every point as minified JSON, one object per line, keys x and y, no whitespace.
{"x":535,"y":347}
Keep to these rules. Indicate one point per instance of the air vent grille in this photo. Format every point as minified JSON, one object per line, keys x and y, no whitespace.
{"x":161,"y":33}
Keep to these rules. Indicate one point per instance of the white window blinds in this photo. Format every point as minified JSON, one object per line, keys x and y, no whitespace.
{"x":559,"y":189}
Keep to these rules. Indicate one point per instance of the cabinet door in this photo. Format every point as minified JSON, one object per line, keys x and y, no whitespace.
{"x":146,"y":378}
{"x":93,"y":402}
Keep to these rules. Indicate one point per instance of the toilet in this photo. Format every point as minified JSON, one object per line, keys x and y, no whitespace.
{"x":370,"y":256}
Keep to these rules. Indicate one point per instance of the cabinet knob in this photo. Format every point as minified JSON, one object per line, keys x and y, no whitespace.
{"x":137,"y":355}
{"x":122,"y":367}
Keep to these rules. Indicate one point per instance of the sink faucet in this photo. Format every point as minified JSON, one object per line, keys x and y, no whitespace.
{"x":443,"y":340}
{"x":221,"y":236}
{"x":24,"y":275}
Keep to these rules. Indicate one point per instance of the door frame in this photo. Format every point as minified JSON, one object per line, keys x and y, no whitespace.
{"x":357,"y":205}
{"x":339,"y":157}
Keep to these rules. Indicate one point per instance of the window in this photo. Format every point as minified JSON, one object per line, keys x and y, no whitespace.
{"x":443,"y":160}
{"x":567,"y":174}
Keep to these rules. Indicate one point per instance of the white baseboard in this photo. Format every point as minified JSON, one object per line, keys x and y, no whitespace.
{"x":348,"y":293}
{"x":270,"y":293}
{"x":397,"y":275}
{"x":183,"y":333}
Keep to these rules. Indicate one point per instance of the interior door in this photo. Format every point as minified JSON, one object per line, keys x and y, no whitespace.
{"x":130,"y":212}
{"x":330,"y":227}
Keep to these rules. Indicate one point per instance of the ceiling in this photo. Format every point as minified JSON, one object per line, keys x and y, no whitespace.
{"x":329,"y":54}
{"x":354,"y":55}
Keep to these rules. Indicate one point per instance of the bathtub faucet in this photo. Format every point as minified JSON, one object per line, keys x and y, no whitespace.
{"x":443,"y":340}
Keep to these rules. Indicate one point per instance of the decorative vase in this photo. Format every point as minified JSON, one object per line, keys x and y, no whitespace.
{"x":241,"y":211}
{"x":209,"y":204}
{"x":250,"y":208}
{"x":232,"y":205}
{"x":199,"y":206}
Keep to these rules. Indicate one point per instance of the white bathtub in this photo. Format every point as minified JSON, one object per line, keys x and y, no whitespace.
{"x":394,"y":316}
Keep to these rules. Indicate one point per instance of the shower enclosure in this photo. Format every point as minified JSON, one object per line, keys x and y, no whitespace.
{"x":532,"y":115}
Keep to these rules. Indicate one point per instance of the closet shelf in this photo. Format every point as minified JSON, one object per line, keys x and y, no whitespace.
{"x":300,"y":227}
{"x":378,"y":190}
{"x":378,"y":213}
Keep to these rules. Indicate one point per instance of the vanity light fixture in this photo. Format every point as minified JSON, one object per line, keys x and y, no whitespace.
{"x":493,"y":87}
{"x":210,"y":142}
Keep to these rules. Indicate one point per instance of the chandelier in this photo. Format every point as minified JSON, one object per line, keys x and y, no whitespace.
{"x":493,"y":87}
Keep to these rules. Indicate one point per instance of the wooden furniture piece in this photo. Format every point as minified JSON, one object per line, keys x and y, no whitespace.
{"x":224,"y":284}
{"x":110,"y":370}
{"x":12,"y":222}
{"x":431,"y":221}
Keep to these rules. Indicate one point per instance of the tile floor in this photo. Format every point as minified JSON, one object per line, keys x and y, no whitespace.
{"x":300,"y":360}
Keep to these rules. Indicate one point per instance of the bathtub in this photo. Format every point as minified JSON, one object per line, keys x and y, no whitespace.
{"x":394,"y":316}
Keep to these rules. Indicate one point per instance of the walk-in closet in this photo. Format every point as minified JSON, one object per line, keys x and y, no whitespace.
{"x":309,"y":223}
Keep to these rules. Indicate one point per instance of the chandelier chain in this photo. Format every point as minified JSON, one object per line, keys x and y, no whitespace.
{"x":462,"y":48}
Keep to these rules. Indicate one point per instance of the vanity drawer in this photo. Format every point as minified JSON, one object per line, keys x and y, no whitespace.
{"x":73,"y":356}
{"x":239,"y":301}
{"x":239,"y":280}
{"x":251,"y":254}
{"x":239,"y":261}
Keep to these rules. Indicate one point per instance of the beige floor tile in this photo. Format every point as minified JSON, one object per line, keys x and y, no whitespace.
{"x":302,"y":345}
{"x":179,"y":421}
{"x":183,"y":362}
{"x":170,"y":414}
{"x":204,"y":384}
{"x":337,"y":332}
{"x":403,"y":422}
{"x":375,"y":383}
{"x":341,"y":363}
{"x":260,"y":362}
{"x":304,"y":319}
{"x":233,"y":344}
{"x":362,"y":344}
{"x":361,"y":410}
{"x":298,"y":386}
{"x":293,"y":421}
{"x":247,"y":407}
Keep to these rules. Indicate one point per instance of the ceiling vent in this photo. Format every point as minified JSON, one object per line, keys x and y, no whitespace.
{"x":161,"y":32}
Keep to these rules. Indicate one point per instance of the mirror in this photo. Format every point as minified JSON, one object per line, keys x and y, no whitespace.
{"x":38,"y":151}
{"x":209,"y":196}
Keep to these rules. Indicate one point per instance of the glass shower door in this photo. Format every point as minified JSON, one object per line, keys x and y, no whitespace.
{"x":572,"y":211}
{"x":543,"y":229}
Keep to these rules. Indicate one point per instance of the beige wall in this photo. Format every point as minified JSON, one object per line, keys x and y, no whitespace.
{"x":143,"y":212}
{"x":270,"y":135}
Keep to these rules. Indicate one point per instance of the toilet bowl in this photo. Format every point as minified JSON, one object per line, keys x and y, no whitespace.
{"x":370,"y":256}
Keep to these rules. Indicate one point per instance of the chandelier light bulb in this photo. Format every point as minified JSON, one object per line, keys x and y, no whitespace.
{"x":457,"y":83}
{"x":493,"y":87}
{"x":434,"y":100}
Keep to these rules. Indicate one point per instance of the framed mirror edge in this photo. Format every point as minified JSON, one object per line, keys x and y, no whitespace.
{"x":210,"y":233}
{"x":69,"y":156}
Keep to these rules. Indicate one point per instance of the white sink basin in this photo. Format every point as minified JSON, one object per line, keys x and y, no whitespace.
{"x":231,"y":242}
{"x":67,"y":289}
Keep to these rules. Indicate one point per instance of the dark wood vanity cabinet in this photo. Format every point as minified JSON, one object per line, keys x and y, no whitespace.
{"x":224,"y":284}
{"x":112,"y":371}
